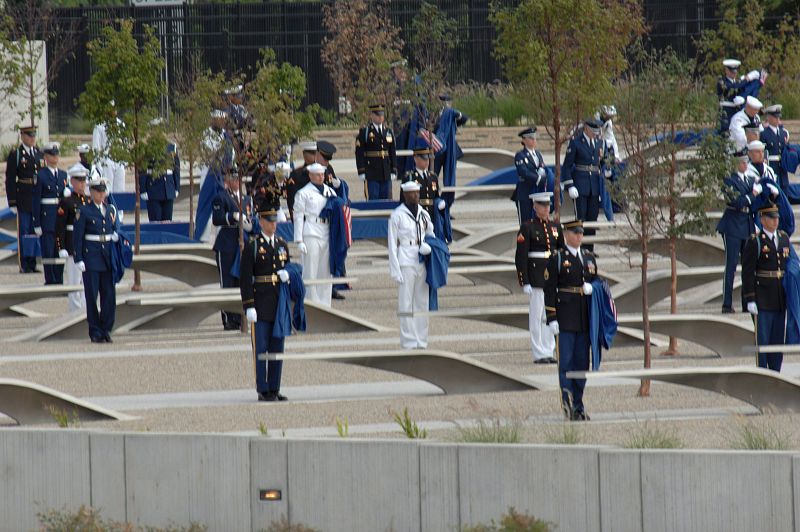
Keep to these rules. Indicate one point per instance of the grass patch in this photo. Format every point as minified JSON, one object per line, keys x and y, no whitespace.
{"x":763,"y":436}
{"x":491,"y":431}
{"x":62,"y":417}
{"x":343,"y":427}
{"x":649,"y":437}
{"x":513,"y":521}
{"x":566,"y":434}
{"x":87,"y":519}
{"x":284,"y":526}
{"x":409,"y":427}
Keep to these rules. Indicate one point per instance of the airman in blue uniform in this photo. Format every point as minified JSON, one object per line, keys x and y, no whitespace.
{"x":22,"y":167}
{"x":161,"y":191}
{"x":50,"y":187}
{"x":581,"y":172}
{"x":775,"y":138}
{"x":95,"y":229}
{"x":532,"y":174}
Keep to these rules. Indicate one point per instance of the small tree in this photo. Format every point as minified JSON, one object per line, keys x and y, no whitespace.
{"x":564,"y":55}
{"x":130,"y":76}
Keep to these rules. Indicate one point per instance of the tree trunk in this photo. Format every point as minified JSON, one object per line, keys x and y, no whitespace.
{"x":137,"y":211}
{"x":191,"y":199}
{"x":672,"y":350}
{"x":31,"y":81}
{"x":644,"y":387}
{"x":557,"y":180}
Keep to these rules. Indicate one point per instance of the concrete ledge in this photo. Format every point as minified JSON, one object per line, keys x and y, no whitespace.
{"x":16,"y":295}
{"x":190,"y":269}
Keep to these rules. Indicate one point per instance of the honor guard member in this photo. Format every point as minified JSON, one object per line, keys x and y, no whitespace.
{"x":65,"y":227}
{"x":761,"y":172}
{"x":51,"y":186}
{"x":160,"y":192}
{"x":580,"y":173}
{"x":237,"y":113}
{"x":740,"y":191}
{"x":112,"y":171}
{"x":83,"y":155}
{"x":728,"y":87}
{"x":409,"y":224}
{"x":775,"y":138}
{"x":299,"y":176}
{"x":325,"y":151}
{"x":531,"y":173}
{"x":745,"y":118}
{"x":376,"y":157}
{"x":763,"y":266}
{"x":537,"y":240}
{"x":312,"y":233}
{"x":22,"y":167}
{"x":96,"y":226}
{"x":606,"y":116}
{"x":429,"y":193}
{"x":225,"y":216}
{"x":566,"y":296}
{"x":262,"y":271}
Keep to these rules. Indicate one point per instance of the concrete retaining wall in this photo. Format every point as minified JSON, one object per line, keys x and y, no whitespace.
{"x":162,"y":479}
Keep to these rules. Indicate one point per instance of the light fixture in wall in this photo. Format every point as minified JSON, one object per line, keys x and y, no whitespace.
{"x":269,"y":495}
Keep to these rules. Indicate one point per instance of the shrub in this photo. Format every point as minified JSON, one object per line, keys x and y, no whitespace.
{"x":513,"y":521}
{"x":759,"y":437}
{"x":477,"y":105}
{"x":409,"y":427}
{"x":647,"y":437}
{"x":511,"y":108}
{"x":491,"y":431}
{"x":567,"y":434}
{"x":87,"y":519}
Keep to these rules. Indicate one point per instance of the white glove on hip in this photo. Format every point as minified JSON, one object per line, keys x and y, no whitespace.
{"x":247,"y":225}
{"x":81,"y":266}
{"x":252,"y":315}
{"x":301,"y":247}
{"x":587,"y":289}
{"x":752,"y":308}
{"x":114,"y":237}
{"x":393,"y":176}
{"x":38,"y":231}
{"x":283,"y":275}
{"x":425,"y":249}
{"x":143,"y":195}
{"x":554,"y":327}
{"x":757,"y":189}
{"x":527,"y":289}
{"x":573,"y":192}
{"x":336,"y":182}
{"x":541,"y":171}
{"x":773,"y":190}
{"x":63,"y":253}
{"x":442,"y":204}
{"x":362,"y":177}
{"x":67,"y":192}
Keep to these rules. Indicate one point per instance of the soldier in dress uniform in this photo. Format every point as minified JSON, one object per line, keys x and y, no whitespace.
{"x":581,"y":172}
{"x":429,"y":193}
{"x":65,"y":226}
{"x":376,"y":156}
{"x":262,"y":271}
{"x":22,"y":167}
{"x":760,"y":171}
{"x":325,"y":151}
{"x":747,"y":117}
{"x":763,"y":266}
{"x":225,"y":216}
{"x":96,"y":225}
{"x":51,"y":186}
{"x":298,"y":178}
{"x":83,"y":155}
{"x":728,"y":87}
{"x":737,"y":223}
{"x":531,"y":173}
{"x":567,"y":304}
{"x":112,"y":171}
{"x":775,"y":138}
{"x":537,"y":240}
{"x":160,"y":192}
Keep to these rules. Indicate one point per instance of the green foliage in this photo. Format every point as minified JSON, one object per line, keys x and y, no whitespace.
{"x":434,"y":36}
{"x":343,"y":427}
{"x":491,"y":431}
{"x":759,"y":436}
{"x":477,"y":104}
{"x":648,"y":437}
{"x":510,"y":108}
{"x":62,"y":417}
{"x":87,"y":519}
{"x":262,"y":428}
{"x":409,"y":427}
{"x":284,"y":526}
{"x":513,"y":521}
{"x":566,"y":434}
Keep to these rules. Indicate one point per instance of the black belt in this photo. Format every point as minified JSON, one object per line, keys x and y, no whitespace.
{"x":745,"y":210}
{"x":586,"y":168}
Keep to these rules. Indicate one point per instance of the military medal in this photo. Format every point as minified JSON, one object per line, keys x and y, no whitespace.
{"x":591,"y":267}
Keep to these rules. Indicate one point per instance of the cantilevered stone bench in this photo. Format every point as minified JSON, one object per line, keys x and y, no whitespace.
{"x":628,"y":294}
{"x":480,"y":192}
{"x":28,"y":403}
{"x":201,"y":250}
{"x":693,"y":251}
{"x":766,"y":390}
{"x":10,"y":296}
{"x":193,"y":270}
{"x":504,"y":275}
{"x":489,"y":158}
{"x":453,"y":373}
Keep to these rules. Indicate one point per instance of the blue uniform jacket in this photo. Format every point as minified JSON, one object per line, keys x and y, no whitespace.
{"x":96,"y":255}
{"x":165,"y":186}
{"x":222,"y":215}
{"x":791,"y":287}
{"x":48,"y":187}
{"x":775,"y":143}
{"x":580,"y":155}
{"x":436,"y":265}
{"x":738,"y":220}
{"x":528,"y":171}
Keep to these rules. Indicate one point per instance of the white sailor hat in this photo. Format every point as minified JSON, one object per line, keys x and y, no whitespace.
{"x":410,"y":186}
{"x":78,"y":170}
{"x":774,"y":109}
{"x":756,"y":145}
{"x":541,"y":197}
{"x":755,"y":103}
{"x":309,"y":145}
{"x":84,"y":148}
{"x":51,"y":148}
{"x":98,"y":183}
{"x":315,"y":168}
{"x":733,"y":64}
{"x":219,"y":113}
{"x":236,"y":89}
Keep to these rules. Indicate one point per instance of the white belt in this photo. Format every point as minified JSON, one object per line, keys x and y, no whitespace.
{"x":70,"y":228}
{"x":49,"y":201}
{"x":315,"y":219}
{"x":538,"y":254}
{"x":727,"y":104}
{"x":774,"y":158}
{"x":98,"y":238}
{"x":414,"y":243}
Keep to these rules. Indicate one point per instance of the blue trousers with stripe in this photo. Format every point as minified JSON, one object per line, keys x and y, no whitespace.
{"x":268,"y":373}
{"x":573,"y":355}
{"x":771,"y":331}
{"x":733,"y":256}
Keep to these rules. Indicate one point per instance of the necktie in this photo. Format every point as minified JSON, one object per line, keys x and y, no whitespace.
{"x":271,"y":242}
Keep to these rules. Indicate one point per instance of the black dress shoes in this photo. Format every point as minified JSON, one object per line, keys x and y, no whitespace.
{"x":98,"y":340}
{"x":272,"y":396}
{"x":107,"y":339}
{"x":727,"y":310}
{"x":580,"y":415}
{"x":337,"y":295}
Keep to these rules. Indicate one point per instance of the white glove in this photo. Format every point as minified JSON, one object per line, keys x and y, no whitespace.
{"x":281,"y":216}
{"x":392,"y":176}
{"x":752,"y":308}
{"x":773,"y":190}
{"x":114,"y":237}
{"x":236,"y":215}
{"x":442,"y":204}
{"x":252,"y":315}
{"x":143,"y":195}
{"x":541,"y":171}
{"x":336,"y":182}
{"x":587,"y":289}
{"x":120,"y":216}
{"x":38,"y":231}
{"x":573,"y":192}
{"x":753,"y":74}
{"x":283,"y":275}
{"x":425,"y":249}
{"x":301,"y":247}
{"x":399,"y":279}
{"x":247,"y":225}
{"x":67,"y":192}
{"x":608,"y":173}
{"x":757,"y":189}
{"x":81,"y":266}
{"x":63,"y":253}
{"x":527,"y":289}
{"x":177,"y":193}
{"x":362,"y":177}
{"x":554,"y":327}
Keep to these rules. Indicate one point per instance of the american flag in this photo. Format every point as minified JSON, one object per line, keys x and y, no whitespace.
{"x":432,"y":139}
{"x":348,"y":224}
